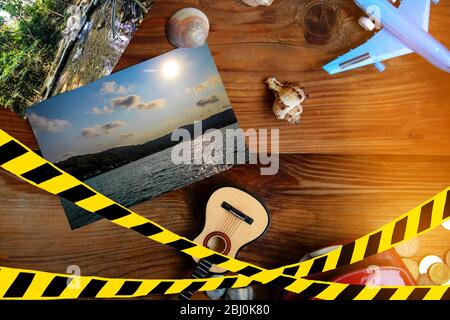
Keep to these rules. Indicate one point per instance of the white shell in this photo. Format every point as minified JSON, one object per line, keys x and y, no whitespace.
{"x":246,"y":293}
{"x":288,"y":100}
{"x":218,"y":293}
{"x":255,"y":3}
{"x":188,"y":28}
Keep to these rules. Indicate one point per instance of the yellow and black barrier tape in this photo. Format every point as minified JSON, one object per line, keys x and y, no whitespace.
{"x":27,"y":165}
{"x":18,"y":284}
{"x":417,"y":221}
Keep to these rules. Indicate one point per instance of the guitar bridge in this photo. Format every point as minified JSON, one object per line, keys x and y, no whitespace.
{"x":237,"y":212}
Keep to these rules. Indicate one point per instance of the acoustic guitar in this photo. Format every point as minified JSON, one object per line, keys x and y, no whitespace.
{"x":233,"y":219}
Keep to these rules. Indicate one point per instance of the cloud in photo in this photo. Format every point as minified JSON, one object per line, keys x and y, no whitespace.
{"x":127,"y":102}
{"x":98,"y":111}
{"x":212,"y":81}
{"x":101,"y":130}
{"x":111,"y":87}
{"x":127,"y":135}
{"x":209,"y":100}
{"x":45,"y":124}
{"x":134,"y":102}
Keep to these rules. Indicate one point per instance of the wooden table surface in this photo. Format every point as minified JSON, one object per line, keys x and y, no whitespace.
{"x":357,"y":112}
{"x":364,"y":154}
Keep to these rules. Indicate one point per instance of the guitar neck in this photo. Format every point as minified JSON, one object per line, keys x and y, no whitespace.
{"x":200,"y":272}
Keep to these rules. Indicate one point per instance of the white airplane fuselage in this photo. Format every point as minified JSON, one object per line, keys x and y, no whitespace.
{"x":413,"y":36}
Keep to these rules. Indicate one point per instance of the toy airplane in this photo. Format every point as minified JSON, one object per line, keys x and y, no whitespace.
{"x":405,"y":30}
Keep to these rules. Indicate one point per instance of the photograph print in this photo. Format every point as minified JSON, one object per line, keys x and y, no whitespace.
{"x":116,"y":134}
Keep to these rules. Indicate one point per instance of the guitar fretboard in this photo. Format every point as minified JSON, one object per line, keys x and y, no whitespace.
{"x":200,"y":272}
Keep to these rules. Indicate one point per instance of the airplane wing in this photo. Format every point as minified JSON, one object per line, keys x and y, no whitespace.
{"x":418,"y":12}
{"x":382,"y":46}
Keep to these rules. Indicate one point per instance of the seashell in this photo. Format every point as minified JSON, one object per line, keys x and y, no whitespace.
{"x":188,"y":28}
{"x":288,"y":100}
{"x":218,"y":293}
{"x":255,"y":3}
{"x":246,"y":293}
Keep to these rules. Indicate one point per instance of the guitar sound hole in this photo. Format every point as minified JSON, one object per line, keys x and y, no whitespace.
{"x":218,"y":242}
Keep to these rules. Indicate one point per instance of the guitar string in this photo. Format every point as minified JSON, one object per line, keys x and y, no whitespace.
{"x":236,"y":227}
{"x":233,"y":227}
{"x":226,"y":228}
{"x":215,"y":240}
{"x":228,"y":220}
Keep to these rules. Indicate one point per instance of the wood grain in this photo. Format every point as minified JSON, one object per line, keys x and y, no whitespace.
{"x":372,"y":147}
{"x":401,"y":111}
{"x":315,"y":201}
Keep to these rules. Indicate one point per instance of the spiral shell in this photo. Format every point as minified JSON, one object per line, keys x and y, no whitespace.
{"x":288,"y":100}
{"x":188,"y":28}
{"x":255,"y":3}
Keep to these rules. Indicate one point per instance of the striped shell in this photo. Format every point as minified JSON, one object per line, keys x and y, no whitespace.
{"x":188,"y":28}
{"x":288,"y":100}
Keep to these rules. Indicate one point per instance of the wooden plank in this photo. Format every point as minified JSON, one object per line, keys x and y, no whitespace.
{"x":17,"y":127}
{"x":401,"y":111}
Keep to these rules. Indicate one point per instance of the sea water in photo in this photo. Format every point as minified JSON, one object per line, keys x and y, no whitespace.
{"x":154,"y":175}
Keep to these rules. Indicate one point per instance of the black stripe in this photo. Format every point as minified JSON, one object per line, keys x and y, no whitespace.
{"x":128,"y":288}
{"x":113,"y":212}
{"x":249,"y":271}
{"x":11,"y":150}
{"x":92,"y":289}
{"x":399,"y":230}
{"x":447,"y":206}
{"x":318,"y":265}
{"x":357,"y":59}
{"x":181,"y":244}
{"x":350,"y":292}
{"x":291,"y":271}
{"x":346,"y":254}
{"x":147,"y":229}
{"x":227,"y":283}
{"x":216,"y":259}
{"x":373,"y":244}
{"x":446,"y":295}
{"x":425,"y":216}
{"x":314,"y":289}
{"x":77,"y":193}
{"x":19,"y":285}
{"x":56,"y":286}
{"x":282,"y":281}
{"x":384,"y":294}
{"x":193,"y":287}
{"x":418,"y":294}
{"x":162,"y":287}
{"x":42,"y":173}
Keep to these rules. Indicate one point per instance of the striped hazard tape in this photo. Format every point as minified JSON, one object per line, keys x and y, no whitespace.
{"x":27,"y":165}
{"x":17,"y":284}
